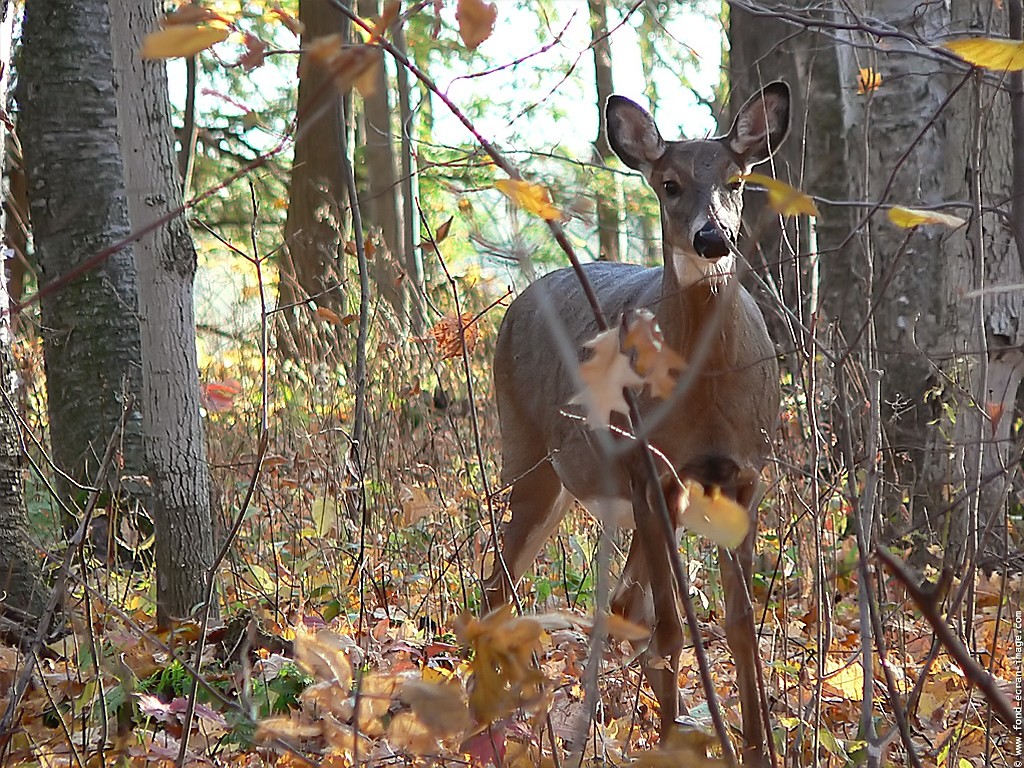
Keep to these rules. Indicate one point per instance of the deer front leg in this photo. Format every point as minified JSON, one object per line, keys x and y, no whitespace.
{"x":650,"y":551}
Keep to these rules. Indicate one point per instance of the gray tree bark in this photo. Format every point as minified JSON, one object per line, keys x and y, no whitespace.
{"x":174,"y":443}
{"x":68,"y":130}
{"x":20,"y":575}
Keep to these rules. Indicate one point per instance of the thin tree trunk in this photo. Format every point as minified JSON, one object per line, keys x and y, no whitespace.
{"x":607,"y":200}
{"x":379,"y":201}
{"x":68,"y":128}
{"x":174,"y":443}
{"x":409,"y":187}
{"x":317,"y":223}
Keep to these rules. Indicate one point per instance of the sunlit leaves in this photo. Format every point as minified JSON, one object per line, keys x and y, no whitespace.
{"x":784,"y":199}
{"x":605,"y":375}
{"x":530,"y":197}
{"x":989,"y":52}
{"x":476,"y":21}
{"x":325,"y":656}
{"x":907,"y":218}
{"x":448,"y":334}
{"x":713,"y":515}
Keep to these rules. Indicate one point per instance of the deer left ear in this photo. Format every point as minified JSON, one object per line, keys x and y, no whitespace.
{"x":761,"y":125}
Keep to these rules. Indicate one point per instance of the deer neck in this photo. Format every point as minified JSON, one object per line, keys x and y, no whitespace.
{"x":691,"y":309}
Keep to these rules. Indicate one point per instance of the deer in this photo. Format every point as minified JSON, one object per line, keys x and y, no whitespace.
{"x":716,"y":431}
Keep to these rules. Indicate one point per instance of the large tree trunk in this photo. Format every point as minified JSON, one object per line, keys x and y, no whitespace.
{"x":68,"y":128}
{"x":174,"y":445}
{"x":20,"y":575}
{"x":317,"y":224}
{"x":607,"y":198}
{"x":379,"y":200}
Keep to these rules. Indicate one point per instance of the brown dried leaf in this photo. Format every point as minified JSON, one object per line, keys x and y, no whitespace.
{"x":350,"y":66}
{"x":476,"y":21}
{"x":325,"y":656}
{"x":653,"y":359}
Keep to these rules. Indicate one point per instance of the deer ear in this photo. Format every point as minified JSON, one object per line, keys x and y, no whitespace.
{"x":761,"y":125}
{"x":632,"y":133}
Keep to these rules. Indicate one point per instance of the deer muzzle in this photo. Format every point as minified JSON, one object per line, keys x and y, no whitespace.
{"x":710,"y":242}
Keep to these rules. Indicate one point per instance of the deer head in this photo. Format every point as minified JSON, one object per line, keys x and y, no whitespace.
{"x":699,"y":183}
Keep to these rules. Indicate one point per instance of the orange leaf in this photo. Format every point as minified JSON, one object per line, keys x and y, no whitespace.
{"x":476,"y":21}
{"x":530,"y":197}
{"x":329,"y":315}
{"x":182,"y":40}
{"x":446,"y":334}
{"x":653,"y":359}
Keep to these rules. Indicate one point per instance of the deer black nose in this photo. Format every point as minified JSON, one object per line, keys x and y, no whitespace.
{"x":710,"y":243}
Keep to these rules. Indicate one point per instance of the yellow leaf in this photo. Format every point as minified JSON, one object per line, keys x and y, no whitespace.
{"x":784,"y":199}
{"x":846,"y":679}
{"x":530,"y":197}
{"x":294,"y":25}
{"x":191,"y":13}
{"x":908,"y":218}
{"x":182,"y":40}
{"x":604,"y":376}
{"x":325,"y":516}
{"x":868,"y":80}
{"x":989,"y":52}
{"x":476,"y":21}
{"x":713,"y":515}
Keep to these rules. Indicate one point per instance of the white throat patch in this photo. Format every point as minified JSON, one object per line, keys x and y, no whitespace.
{"x":691,"y":269}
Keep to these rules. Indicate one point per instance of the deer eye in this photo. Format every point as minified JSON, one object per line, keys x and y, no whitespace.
{"x":671,"y":188}
{"x":735,"y":185}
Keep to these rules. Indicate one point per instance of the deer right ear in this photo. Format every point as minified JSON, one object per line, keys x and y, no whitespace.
{"x":632,"y":133}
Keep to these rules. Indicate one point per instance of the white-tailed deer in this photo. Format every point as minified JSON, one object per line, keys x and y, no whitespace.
{"x":718,"y":428}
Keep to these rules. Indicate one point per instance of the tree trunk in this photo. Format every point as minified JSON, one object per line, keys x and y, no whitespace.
{"x":68,"y":128}
{"x":317,"y":224}
{"x":607,"y":196}
{"x":20,"y":575}
{"x":174,"y":444}
{"x":379,"y":200}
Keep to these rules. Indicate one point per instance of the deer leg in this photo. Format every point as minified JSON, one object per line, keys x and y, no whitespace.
{"x":648,"y":573}
{"x":538,"y":503}
{"x":740,"y":633}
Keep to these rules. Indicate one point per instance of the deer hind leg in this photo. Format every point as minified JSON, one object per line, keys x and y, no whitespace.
{"x":538,"y":503}
{"x":741,"y":634}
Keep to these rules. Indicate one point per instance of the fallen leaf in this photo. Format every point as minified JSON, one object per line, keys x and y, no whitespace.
{"x":325,"y":655}
{"x":530,"y":197}
{"x":713,"y":515}
{"x":183,"y":40}
{"x":605,"y":375}
{"x":908,"y":218}
{"x":989,"y":52}
{"x":416,"y":504}
{"x":784,"y":199}
{"x":476,"y":21}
